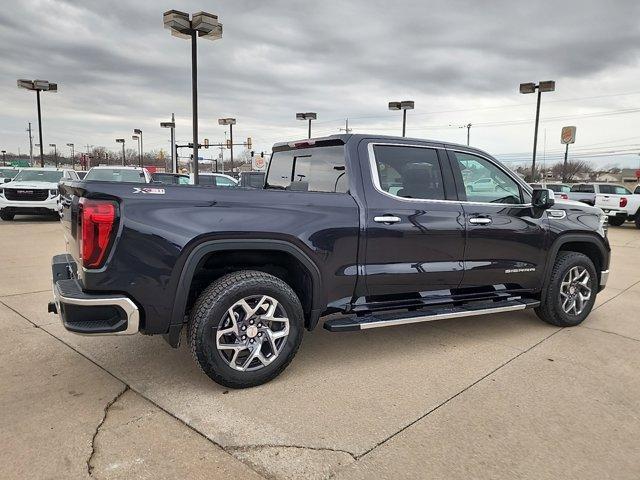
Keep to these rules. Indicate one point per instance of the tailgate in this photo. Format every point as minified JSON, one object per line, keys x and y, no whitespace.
{"x":608,"y":201}
{"x":70,"y":194}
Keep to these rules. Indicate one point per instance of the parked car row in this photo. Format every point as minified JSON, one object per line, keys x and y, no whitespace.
{"x":34,"y":191}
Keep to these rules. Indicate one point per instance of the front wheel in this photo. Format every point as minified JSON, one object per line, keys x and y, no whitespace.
{"x":617,"y":221}
{"x":6,"y":216}
{"x":571,"y":291}
{"x":245,"y":328}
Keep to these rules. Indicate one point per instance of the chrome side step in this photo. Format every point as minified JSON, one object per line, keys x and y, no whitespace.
{"x":349,"y":324}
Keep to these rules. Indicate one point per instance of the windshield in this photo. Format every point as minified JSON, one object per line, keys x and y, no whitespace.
{"x":116,"y":175}
{"x":8,"y":172}
{"x":51,"y":176}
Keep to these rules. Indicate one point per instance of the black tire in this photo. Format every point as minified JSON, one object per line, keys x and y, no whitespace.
{"x":6,"y":216}
{"x":211,"y":308}
{"x":638,"y":220}
{"x":550,"y":309}
{"x":617,"y":221}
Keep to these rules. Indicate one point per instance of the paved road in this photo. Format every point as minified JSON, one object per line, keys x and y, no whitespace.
{"x":505,"y":396}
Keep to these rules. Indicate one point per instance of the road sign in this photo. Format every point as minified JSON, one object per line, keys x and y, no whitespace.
{"x":258,"y":163}
{"x":568,"y":135}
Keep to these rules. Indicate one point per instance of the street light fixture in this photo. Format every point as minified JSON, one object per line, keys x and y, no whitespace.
{"x":38,"y":86}
{"x":404,"y":106}
{"x":138,"y":132}
{"x":55,"y":153}
{"x":201,"y":24}
{"x":231,"y":122}
{"x":547,"y":86}
{"x":121,"y":140}
{"x":307,"y":116}
{"x":172,"y":126}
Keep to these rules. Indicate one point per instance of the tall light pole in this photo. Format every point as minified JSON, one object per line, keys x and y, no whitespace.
{"x":4,"y":158}
{"x":231,"y":122}
{"x":30,"y":145}
{"x":547,"y":86}
{"x":55,"y":153}
{"x":121,"y":140}
{"x":172,"y":126}
{"x":73,"y":155}
{"x":404,"y":106}
{"x":307,"y":116}
{"x":38,"y":86}
{"x":136,"y":137}
{"x":201,"y":24}
{"x":138,"y":132}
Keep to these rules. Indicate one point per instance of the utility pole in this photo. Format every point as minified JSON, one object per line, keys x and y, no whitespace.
{"x":468,"y":125}
{"x":346,"y":128}
{"x":30,"y":144}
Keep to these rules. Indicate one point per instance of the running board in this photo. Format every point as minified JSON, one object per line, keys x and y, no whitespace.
{"x":350,"y":324}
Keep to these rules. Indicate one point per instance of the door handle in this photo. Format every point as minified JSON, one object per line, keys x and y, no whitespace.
{"x":480,"y":220}
{"x":386,"y":219}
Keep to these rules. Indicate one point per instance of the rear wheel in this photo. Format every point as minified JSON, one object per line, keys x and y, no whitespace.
{"x":571,"y":292}
{"x":245,"y":328}
{"x":638,"y":220}
{"x":617,"y":221}
{"x":6,"y":216}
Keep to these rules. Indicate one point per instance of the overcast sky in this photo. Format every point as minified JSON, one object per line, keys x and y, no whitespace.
{"x":461,"y":61}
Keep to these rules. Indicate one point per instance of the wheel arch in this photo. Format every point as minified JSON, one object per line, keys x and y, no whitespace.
{"x":587,"y":244}
{"x":201,"y":252}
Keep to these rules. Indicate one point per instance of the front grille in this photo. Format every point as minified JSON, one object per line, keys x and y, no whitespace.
{"x":26,"y":194}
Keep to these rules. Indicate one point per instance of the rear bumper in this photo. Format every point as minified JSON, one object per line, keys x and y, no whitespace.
{"x":612,"y":212}
{"x":89,"y":314}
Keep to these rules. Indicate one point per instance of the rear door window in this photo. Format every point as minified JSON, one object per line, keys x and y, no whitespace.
{"x":409,"y":172}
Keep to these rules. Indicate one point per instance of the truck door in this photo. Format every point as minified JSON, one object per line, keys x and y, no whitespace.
{"x":414,"y":224}
{"x":506,"y":238}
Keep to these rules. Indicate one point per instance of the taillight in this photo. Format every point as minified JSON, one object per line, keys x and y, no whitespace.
{"x":623,"y":201}
{"x":97,"y":223}
{"x":564,"y":196}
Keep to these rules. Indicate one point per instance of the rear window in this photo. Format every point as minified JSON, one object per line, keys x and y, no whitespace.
{"x":614,"y":190}
{"x":318,"y":169}
{"x":115,"y":175}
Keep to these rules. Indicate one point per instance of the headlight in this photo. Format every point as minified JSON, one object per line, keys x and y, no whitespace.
{"x":604,"y":224}
{"x":1,"y":192}
{"x":53,"y":192}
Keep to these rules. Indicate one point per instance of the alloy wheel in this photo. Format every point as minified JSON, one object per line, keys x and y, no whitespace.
{"x":252,"y":333}
{"x":575,"y":290}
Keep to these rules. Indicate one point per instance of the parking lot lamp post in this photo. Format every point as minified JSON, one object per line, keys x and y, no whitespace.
{"x":307,"y":116}
{"x":136,"y":137}
{"x":121,"y":140}
{"x":231,"y":122}
{"x":404,"y":106}
{"x":172,"y":126}
{"x":73,"y":155}
{"x":547,"y":86}
{"x":138,"y":132}
{"x":4,"y":158}
{"x":201,"y":24}
{"x":38,"y":86}
{"x":55,"y":153}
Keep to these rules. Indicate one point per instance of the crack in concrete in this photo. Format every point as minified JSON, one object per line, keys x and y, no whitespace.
{"x":95,"y":434}
{"x":233,"y":448}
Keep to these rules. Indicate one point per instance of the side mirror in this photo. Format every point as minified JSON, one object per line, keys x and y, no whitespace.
{"x":7,"y":180}
{"x":543,"y":198}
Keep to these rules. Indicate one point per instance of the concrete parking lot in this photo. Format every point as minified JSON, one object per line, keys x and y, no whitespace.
{"x":505,"y":396}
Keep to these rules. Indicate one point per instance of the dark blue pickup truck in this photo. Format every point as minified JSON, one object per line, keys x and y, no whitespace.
{"x":381,"y":230}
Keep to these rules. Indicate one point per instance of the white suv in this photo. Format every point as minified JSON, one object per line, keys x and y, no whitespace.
{"x":34,"y":191}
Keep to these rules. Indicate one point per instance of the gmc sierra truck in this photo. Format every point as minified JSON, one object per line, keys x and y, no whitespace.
{"x":377,"y":231}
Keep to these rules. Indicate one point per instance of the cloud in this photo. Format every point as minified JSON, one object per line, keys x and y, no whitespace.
{"x":118,"y":69}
